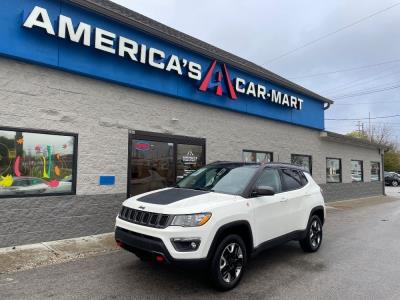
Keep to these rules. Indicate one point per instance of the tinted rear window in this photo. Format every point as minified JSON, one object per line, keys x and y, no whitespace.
{"x":292,"y":180}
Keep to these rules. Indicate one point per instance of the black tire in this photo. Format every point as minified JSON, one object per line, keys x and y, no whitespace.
{"x":227,"y":277}
{"x":395,"y":183}
{"x":313,"y":239}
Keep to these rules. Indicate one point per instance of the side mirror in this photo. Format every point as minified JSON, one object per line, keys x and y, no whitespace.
{"x":263,"y":191}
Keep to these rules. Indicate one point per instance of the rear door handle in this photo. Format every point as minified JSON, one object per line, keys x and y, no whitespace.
{"x":283,"y":200}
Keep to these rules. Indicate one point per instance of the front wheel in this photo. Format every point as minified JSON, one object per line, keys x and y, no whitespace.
{"x":313,"y":239}
{"x":229,"y":260}
{"x":395,"y":183}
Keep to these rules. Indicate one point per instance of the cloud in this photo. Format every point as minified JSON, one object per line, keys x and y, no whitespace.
{"x":262,"y":30}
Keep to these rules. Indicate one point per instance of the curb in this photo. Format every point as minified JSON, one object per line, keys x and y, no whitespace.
{"x":25,"y":257}
{"x":359,"y":202}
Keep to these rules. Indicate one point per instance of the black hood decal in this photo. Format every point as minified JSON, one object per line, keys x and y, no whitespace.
{"x":170,"y":196}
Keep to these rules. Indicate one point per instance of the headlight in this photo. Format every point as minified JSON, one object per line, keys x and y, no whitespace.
{"x":191,"y":220}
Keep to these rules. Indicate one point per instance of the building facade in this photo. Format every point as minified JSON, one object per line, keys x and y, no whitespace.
{"x":99,"y":103}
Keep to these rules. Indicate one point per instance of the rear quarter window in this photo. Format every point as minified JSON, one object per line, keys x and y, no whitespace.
{"x":303,"y":178}
{"x":293,"y":179}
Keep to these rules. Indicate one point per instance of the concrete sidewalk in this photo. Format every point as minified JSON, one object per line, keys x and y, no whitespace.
{"x":26,"y":257}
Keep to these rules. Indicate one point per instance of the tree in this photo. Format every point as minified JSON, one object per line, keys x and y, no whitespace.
{"x":358,"y":134}
{"x":392,"y":161}
{"x":382,"y":135}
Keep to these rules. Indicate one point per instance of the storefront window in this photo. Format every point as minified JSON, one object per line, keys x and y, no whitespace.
{"x":375,"y":171}
{"x":333,"y":170}
{"x":357,"y":171}
{"x":34,"y":163}
{"x":304,"y":161}
{"x":189,"y":159}
{"x":251,"y":156}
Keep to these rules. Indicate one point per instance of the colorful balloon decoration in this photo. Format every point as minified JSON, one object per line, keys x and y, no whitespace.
{"x":45,"y":175}
{"x":16,"y":166}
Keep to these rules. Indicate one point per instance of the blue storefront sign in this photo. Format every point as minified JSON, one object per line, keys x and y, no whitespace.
{"x":63,"y":36}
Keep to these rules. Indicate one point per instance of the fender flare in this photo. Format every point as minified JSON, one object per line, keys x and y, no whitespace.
{"x":225,"y":227}
{"x":319,"y":207}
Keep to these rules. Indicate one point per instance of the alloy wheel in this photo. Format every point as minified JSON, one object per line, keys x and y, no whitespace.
{"x":315,"y":234}
{"x":395,"y":183}
{"x":231,"y":262}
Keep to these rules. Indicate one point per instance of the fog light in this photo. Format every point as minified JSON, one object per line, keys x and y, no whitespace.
{"x":185,"y":244}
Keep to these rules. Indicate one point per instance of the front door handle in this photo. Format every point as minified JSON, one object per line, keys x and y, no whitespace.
{"x":283,"y":200}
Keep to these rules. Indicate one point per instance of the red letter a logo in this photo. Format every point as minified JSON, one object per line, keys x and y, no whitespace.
{"x":206,"y":81}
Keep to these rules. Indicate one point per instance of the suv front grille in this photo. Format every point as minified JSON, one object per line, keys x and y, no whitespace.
{"x":144,"y":218}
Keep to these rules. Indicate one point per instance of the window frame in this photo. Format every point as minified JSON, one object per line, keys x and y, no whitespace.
{"x":305,"y":155}
{"x":340,"y":167}
{"x":74,"y":159}
{"x":257,"y":151}
{"x":379,"y":173}
{"x":362,"y":169}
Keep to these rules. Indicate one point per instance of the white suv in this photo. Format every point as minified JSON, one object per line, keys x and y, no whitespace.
{"x":222,"y":214}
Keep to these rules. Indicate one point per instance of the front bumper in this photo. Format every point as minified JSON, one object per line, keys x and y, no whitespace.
{"x":151,"y":247}
{"x":140,"y":243}
{"x":138,"y":238}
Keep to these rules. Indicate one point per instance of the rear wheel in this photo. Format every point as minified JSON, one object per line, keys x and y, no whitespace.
{"x":313,"y":239}
{"x":395,"y":183}
{"x":229,"y":260}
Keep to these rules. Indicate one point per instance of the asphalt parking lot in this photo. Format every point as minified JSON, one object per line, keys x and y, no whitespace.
{"x":359,"y":259}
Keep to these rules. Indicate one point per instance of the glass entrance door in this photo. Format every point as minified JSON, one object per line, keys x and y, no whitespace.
{"x":158,"y":161}
{"x":151,"y":166}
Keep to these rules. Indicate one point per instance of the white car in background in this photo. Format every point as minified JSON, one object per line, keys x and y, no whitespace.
{"x":25,"y":185}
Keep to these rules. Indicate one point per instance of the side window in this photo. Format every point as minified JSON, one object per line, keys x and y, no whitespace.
{"x":333,"y":170}
{"x":270,"y":177}
{"x":257,"y":156}
{"x":375,"y":171}
{"x":291,"y":180}
{"x":304,"y":161}
{"x":36,"y":181}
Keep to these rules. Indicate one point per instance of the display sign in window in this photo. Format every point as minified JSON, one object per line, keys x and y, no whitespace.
{"x":333,"y":170}
{"x":253,"y":156}
{"x":357,"y":171}
{"x":36,"y":163}
{"x":375,"y":171}
{"x":304,"y":161}
{"x":189,"y":159}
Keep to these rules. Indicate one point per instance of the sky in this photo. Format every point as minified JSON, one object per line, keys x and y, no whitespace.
{"x":262,"y":30}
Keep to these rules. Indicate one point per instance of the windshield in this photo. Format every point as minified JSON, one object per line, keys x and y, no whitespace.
{"x":219,"y":179}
